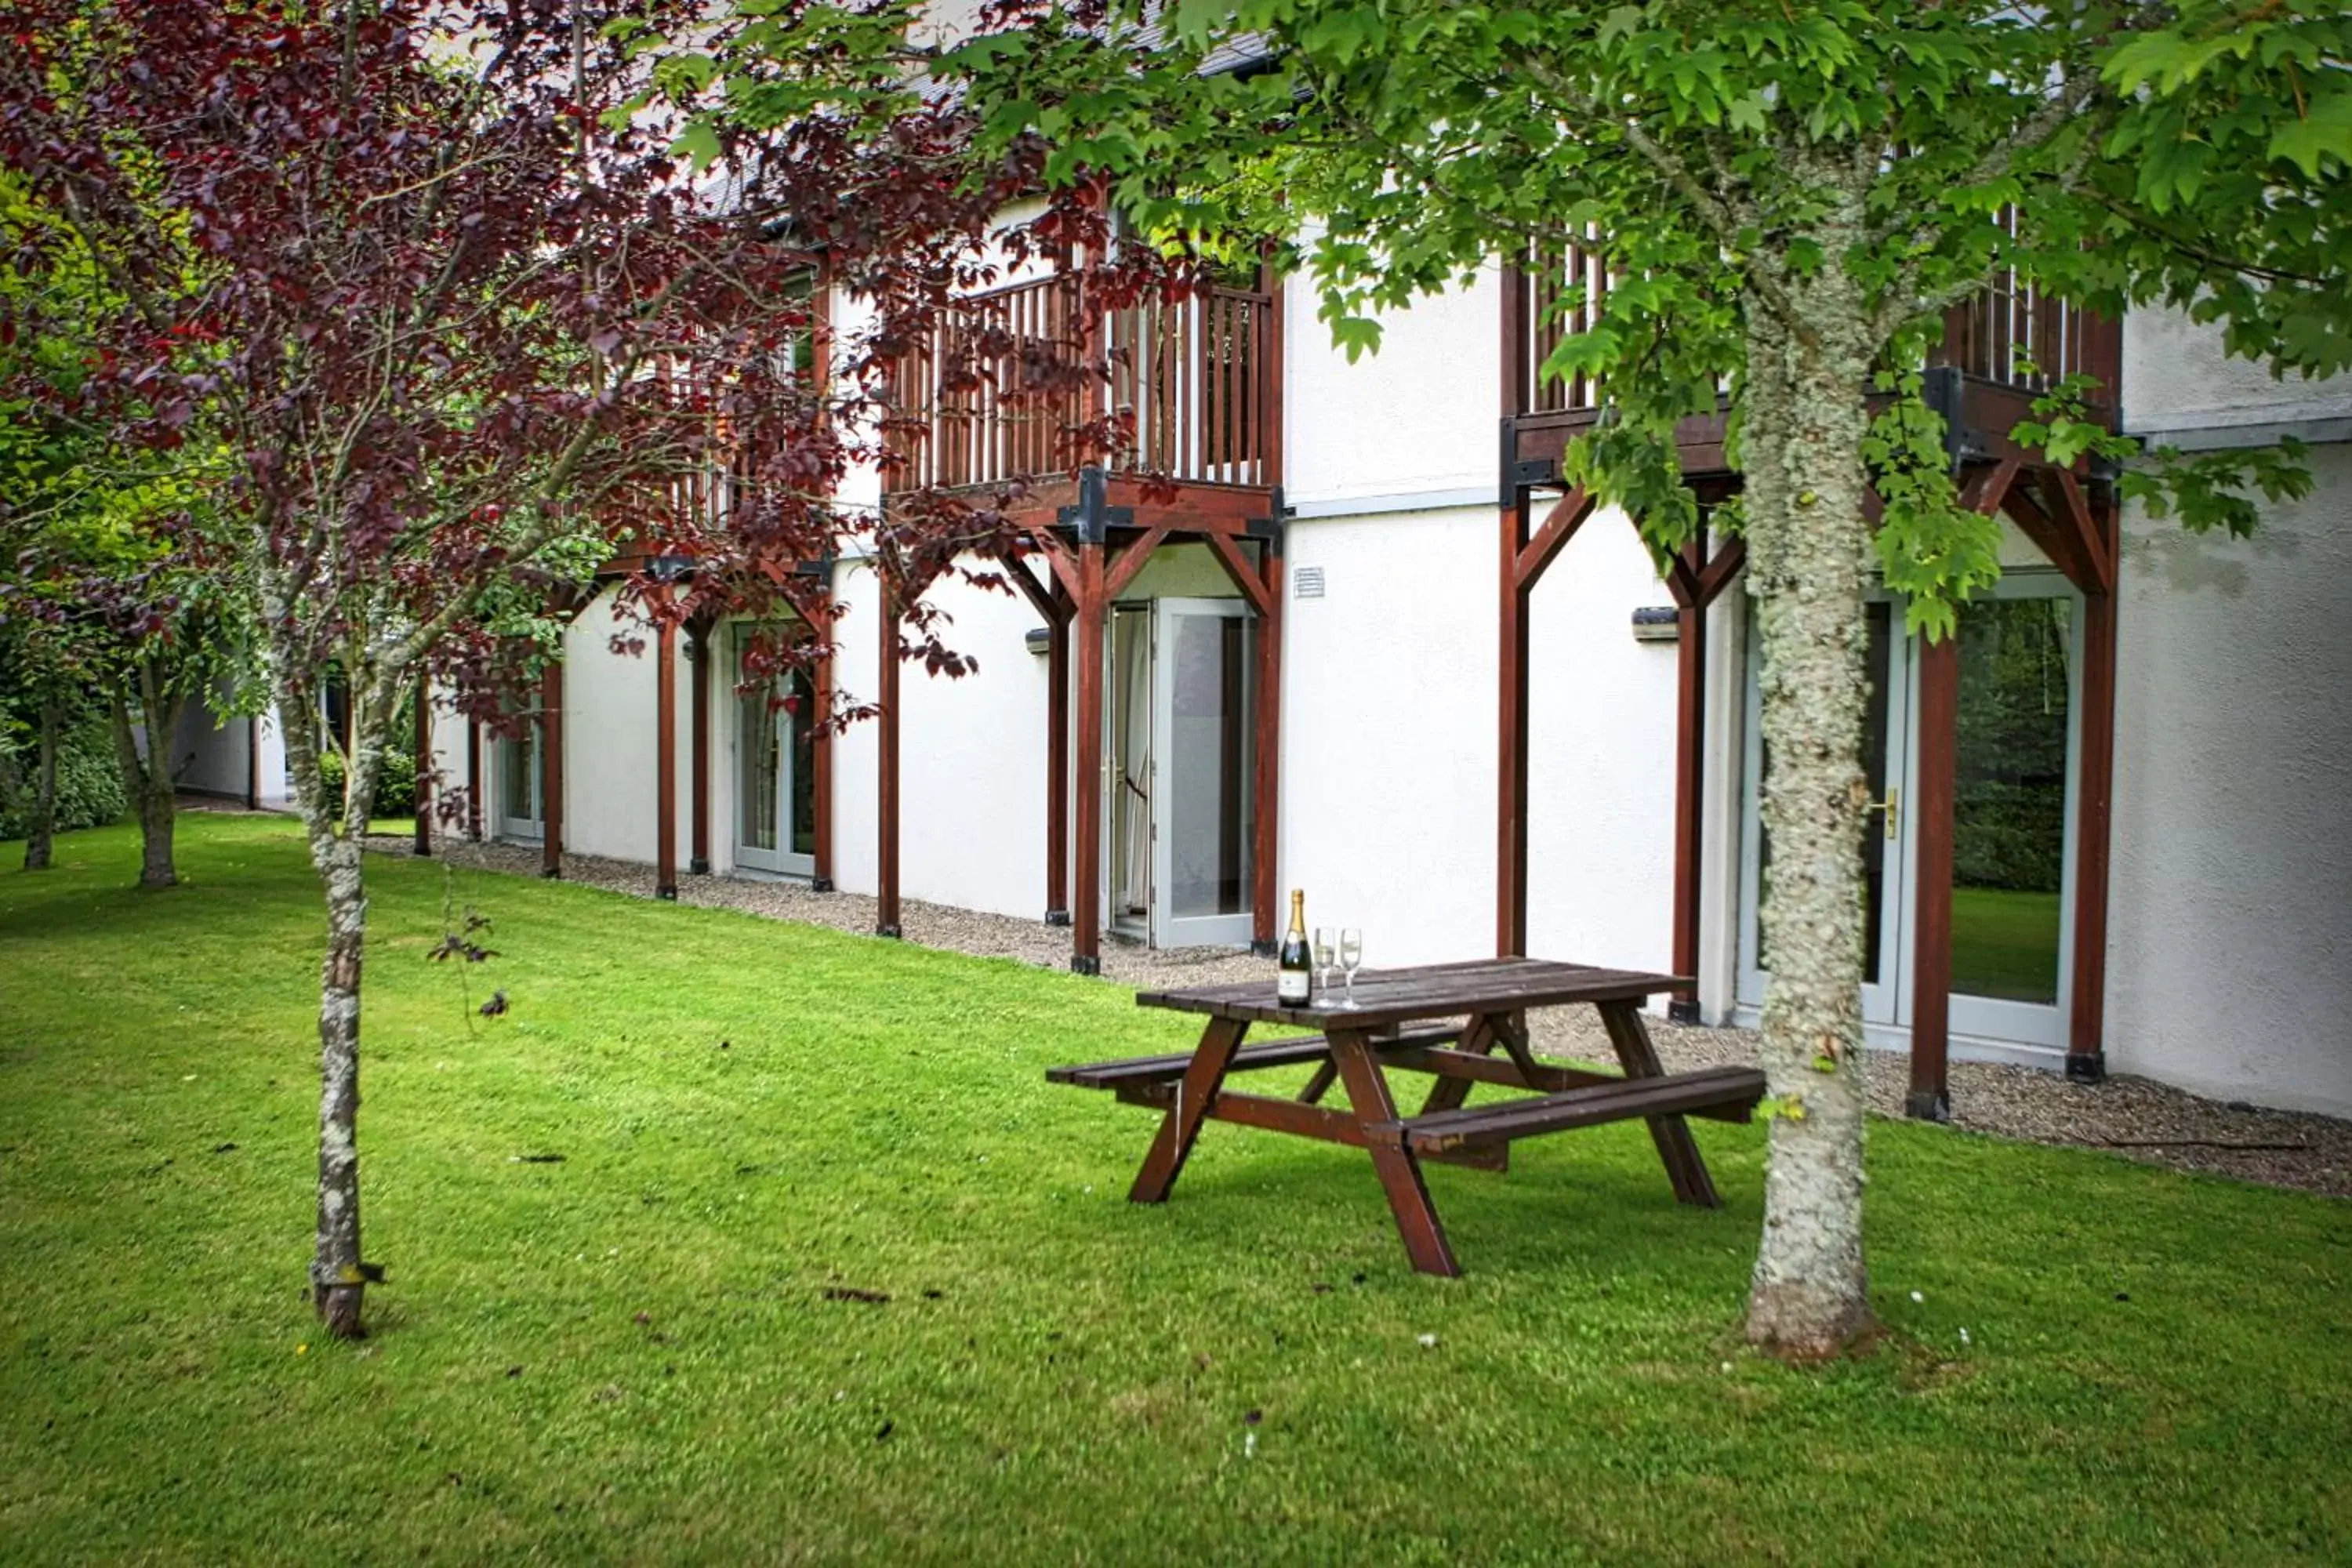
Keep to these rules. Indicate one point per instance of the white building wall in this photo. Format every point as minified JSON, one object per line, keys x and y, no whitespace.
{"x":1600,"y":757}
{"x":1387,"y":732}
{"x":1416,"y":421}
{"x":609,"y":786}
{"x":2230,"y":958}
{"x":214,"y":756}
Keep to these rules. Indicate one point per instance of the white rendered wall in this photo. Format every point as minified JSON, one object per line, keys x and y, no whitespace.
{"x":1418,"y":418}
{"x":1387,"y":732}
{"x":2178,"y":378}
{"x":1600,"y":757}
{"x":971,"y":775}
{"x":610,"y":788}
{"x":2230,"y":956}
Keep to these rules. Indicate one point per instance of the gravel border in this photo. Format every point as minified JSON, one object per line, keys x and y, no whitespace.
{"x":2138,"y":1118}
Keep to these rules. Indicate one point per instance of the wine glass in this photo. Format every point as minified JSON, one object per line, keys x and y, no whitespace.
{"x":1351,"y":958}
{"x":1326,"y":954}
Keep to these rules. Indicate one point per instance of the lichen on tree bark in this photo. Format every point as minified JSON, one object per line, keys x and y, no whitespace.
{"x":1808,"y":364}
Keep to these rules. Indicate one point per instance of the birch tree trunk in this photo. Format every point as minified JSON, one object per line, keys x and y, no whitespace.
{"x":1808,"y":552}
{"x":338,"y":1274}
{"x":41,"y":818}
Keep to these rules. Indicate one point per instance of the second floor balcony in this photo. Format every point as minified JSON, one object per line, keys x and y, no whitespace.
{"x":1022,"y":385}
{"x":2000,"y":350}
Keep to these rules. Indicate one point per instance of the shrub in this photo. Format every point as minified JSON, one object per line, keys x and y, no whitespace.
{"x":89,"y":781}
{"x":395,"y":781}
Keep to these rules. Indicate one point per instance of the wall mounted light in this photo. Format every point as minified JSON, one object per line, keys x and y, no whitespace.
{"x":1039,"y":640}
{"x":1657,"y":623}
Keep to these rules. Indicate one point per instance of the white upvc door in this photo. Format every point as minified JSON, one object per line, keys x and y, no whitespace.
{"x":2013,"y":829}
{"x":1885,"y":850}
{"x":1202,"y":764}
{"x":774,"y":823}
{"x":2015,"y":756}
{"x":516,"y":762}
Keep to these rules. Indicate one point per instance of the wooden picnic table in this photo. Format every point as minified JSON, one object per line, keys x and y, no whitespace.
{"x":1447,"y":1020}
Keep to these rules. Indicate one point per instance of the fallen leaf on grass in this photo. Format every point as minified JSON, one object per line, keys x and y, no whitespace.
{"x":852,"y":1293}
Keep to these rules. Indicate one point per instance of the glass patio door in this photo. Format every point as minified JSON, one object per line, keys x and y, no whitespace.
{"x":2012,"y":869}
{"x":517,"y":764}
{"x":1129,"y":782}
{"x":1202,"y":802}
{"x":1885,"y":729}
{"x":775,"y":771}
{"x":2013,"y":865}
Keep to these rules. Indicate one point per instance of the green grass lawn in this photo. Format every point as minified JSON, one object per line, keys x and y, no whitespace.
{"x":630,"y":1355}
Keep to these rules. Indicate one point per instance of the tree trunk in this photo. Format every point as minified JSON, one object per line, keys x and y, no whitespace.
{"x":337,"y":1282}
{"x":336,"y":829}
{"x":147,"y":779}
{"x":1808,"y":552}
{"x":41,"y":821}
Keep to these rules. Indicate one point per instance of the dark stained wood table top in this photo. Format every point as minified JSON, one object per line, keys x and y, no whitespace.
{"x":1385,"y":996}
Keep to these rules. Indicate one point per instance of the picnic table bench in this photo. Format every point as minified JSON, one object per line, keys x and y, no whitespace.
{"x":1446,"y":1020}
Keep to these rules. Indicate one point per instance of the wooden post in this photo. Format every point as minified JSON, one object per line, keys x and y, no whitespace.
{"x":885,"y":857}
{"x":1511,"y":743}
{"x":699,"y":650}
{"x":821,"y":788}
{"x":1933,"y":792}
{"x":1266,"y":806}
{"x":423,"y":791}
{"x":1085,"y":902}
{"x":473,"y":780}
{"x":2087,"y":1059}
{"x":253,"y":765}
{"x":666,"y":760}
{"x":1057,"y":769}
{"x":551,"y":769}
{"x":1690,"y":761}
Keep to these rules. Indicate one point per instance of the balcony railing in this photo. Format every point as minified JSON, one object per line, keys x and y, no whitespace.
{"x":2010,"y":334}
{"x":1012,"y":384}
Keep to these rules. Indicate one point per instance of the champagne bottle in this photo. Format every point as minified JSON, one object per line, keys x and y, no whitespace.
{"x":1294,"y":985}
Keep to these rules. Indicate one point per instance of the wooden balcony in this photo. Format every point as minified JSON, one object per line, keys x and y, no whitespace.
{"x":1999,"y":352}
{"x":1172,"y":398}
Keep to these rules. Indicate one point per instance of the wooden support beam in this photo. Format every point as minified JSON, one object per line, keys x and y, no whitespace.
{"x":1244,"y":574}
{"x":699,"y":650}
{"x":1511,"y":742}
{"x":1132,"y":560}
{"x":1729,"y":557}
{"x":473,"y":780}
{"x":1265,"y":806}
{"x":1086,"y":898}
{"x":1690,"y":762}
{"x":2099,"y":550}
{"x":1057,"y":766}
{"x":821,"y":787}
{"x":424,"y":790}
{"x":253,"y":764}
{"x":2094,"y":787}
{"x":551,"y":769}
{"x":1560,"y":526}
{"x":1933,"y":792}
{"x":665,"y":760}
{"x":885,"y":793}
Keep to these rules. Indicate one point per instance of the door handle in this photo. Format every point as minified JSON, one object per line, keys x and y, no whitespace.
{"x":1893,"y":806}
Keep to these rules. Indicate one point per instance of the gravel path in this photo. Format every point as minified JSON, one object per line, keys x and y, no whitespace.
{"x":2135,"y":1117}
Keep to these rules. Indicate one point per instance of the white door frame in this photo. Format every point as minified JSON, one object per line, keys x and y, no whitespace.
{"x":1981,"y":1027}
{"x":1170,"y":928}
{"x":778,"y":859}
{"x":507,"y":754}
{"x":1992,"y":1018}
{"x":1886,"y":1002}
